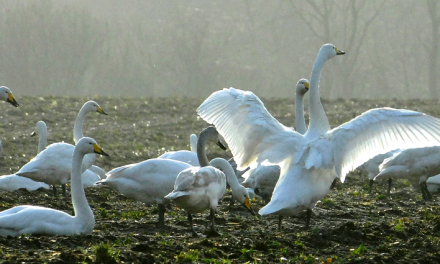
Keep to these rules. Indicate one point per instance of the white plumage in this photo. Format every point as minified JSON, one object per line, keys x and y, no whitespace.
{"x":54,"y":163}
{"x":186,"y":156}
{"x":416,"y":164}
{"x":6,"y":95}
{"x":309,"y":163}
{"x":28,"y":219}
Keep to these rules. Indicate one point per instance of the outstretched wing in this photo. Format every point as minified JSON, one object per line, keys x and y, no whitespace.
{"x":252,"y":133}
{"x":378,"y":131}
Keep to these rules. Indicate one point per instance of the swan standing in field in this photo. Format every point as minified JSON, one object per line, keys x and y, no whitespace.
{"x":197,"y":189}
{"x":53,"y":164}
{"x":372,"y":167}
{"x":433,"y":183}
{"x":310,"y":162}
{"x":28,"y":219}
{"x":14,"y":182}
{"x":416,"y":164}
{"x":150,"y":180}
{"x":186,"y":156}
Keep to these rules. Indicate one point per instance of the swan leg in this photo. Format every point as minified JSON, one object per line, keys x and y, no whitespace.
{"x":162,"y":210}
{"x":427,"y":195}
{"x":371,"y":185}
{"x":280,"y":221}
{"x":390,"y":181}
{"x":212,"y":231}
{"x":63,"y":187}
{"x":54,"y":189}
{"x":190,"y":219}
{"x":309,"y":215}
{"x":422,"y":188}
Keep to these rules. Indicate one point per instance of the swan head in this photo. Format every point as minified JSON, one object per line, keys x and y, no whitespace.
{"x":242,"y":196}
{"x":7,"y":96}
{"x":40,"y":128}
{"x":329,"y":51}
{"x":302,"y":86}
{"x":211,"y":134}
{"x":88,"y":145}
{"x":92,"y":106}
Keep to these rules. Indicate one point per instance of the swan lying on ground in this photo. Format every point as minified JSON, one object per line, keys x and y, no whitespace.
{"x":53,"y":164}
{"x":310,"y":162}
{"x":416,"y":164}
{"x":28,"y":219}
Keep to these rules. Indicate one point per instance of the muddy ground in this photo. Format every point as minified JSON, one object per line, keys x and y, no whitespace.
{"x":349,"y":225}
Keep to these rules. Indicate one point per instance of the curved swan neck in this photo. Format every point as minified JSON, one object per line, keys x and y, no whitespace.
{"x":78,"y":127}
{"x":207,"y":134}
{"x":300,"y":122}
{"x":318,"y":121}
{"x":79,"y":200}
{"x":226,"y":167}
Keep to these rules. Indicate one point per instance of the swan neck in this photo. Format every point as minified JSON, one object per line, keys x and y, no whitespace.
{"x":225,"y":166}
{"x":79,"y":200}
{"x":201,"y":152}
{"x":42,"y":140}
{"x":300,"y":122}
{"x":193,"y":142}
{"x":78,"y":127}
{"x":318,"y":122}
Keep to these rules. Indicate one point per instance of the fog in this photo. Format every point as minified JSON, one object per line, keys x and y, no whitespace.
{"x":194,"y":47}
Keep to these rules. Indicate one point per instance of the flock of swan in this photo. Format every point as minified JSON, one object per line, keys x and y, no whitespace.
{"x":289,"y":169}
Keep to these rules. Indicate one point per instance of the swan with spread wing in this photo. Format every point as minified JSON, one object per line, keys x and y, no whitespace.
{"x":310,"y":162}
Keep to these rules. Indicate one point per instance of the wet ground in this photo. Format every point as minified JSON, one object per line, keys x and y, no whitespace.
{"x":349,"y":225}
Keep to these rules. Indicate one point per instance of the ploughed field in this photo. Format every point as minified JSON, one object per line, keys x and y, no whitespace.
{"x":349,"y":225}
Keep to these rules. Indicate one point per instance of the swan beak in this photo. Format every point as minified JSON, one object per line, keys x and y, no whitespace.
{"x":98,"y":150}
{"x":220,"y":144}
{"x":11,"y":100}
{"x":33,"y":134}
{"x":99,"y":110}
{"x":247,"y":203}
{"x":306,"y":85}
{"x":339,"y":52}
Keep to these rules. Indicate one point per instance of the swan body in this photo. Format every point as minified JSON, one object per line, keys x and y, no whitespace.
{"x":147,"y":181}
{"x":433,"y":183}
{"x":189,"y":157}
{"x":416,"y":164}
{"x":28,"y":219}
{"x":53,"y":164}
{"x":14,"y":182}
{"x":6,"y":95}
{"x":310,"y":162}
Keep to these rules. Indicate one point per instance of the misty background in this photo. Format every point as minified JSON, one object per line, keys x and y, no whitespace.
{"x":194,"y":47}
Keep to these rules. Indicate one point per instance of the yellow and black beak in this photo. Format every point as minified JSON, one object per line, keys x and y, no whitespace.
{"x":33,"y":134}
{"x":101,"y":111}
{"x":98,"y":150}
{"x":11,"y":100}
{"x":247,"y":204}
{"x":339,"y":52}
{"x":306,"y":85}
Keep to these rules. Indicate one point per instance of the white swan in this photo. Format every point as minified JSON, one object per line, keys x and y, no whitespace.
{"x":416,"y":164}
{"x":264,"y":177}
{"x":6,"y":95}
{"x":53,"y":164}
{"x":197,"y":189}
{"x":148,"y":181}
{"x":186,"y":156}
{"x":28,"y":219}
{"x":14,"y":182}
{"x":433,"y":183}
{"x":310,"y":162}
{"x":372,"y":167}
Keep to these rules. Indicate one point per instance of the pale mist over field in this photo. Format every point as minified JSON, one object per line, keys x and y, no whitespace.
{"x":194,"y":47}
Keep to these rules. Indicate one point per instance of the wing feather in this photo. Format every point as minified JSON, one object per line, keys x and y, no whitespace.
{"x":252,"y":133}
{"x":378,"y":131}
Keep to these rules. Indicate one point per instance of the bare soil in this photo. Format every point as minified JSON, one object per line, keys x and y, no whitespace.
{"x":349,"y":225}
